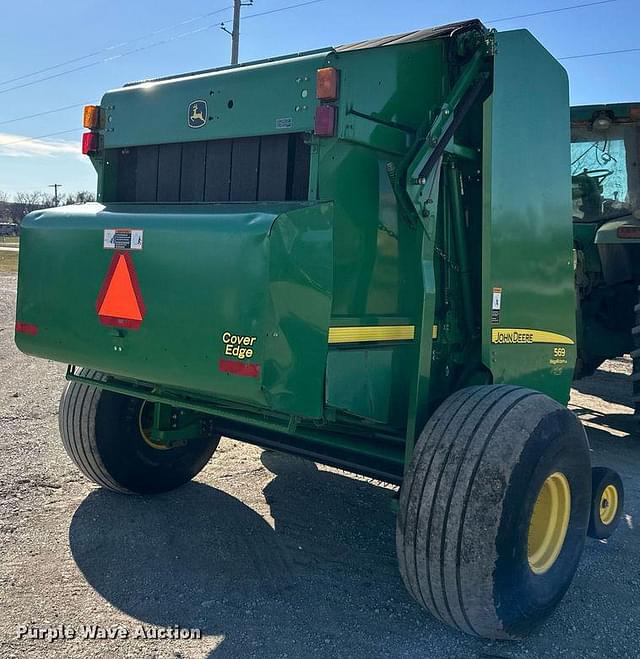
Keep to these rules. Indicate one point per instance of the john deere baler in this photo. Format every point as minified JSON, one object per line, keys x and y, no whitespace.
{"x":360,"y":255}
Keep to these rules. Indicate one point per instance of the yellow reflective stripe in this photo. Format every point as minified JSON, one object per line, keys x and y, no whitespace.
{"x":503,"y":335}
{"x":371,"y":333}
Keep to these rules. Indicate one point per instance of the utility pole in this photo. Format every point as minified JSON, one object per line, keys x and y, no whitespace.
{"x":55,"y":187}
{"x":235,"y":30}
{"x":235,"y":34}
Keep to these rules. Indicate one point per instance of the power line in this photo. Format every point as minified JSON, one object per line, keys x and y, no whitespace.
{"x":552,"y":11}
{"x":264,"y":13}
{"x":43,"y":113}
{"x":193,"y":19}
{"x":235,"y":33}
{"x":300,"y":4}
{"x":77,"y":105}
{"x":109,"y":59}
{"x":115,"y":46}
{"x":604,"y":52}
{"x":151,"y":45}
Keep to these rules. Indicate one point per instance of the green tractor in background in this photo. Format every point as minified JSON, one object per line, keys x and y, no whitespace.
{"x":605,"y":148}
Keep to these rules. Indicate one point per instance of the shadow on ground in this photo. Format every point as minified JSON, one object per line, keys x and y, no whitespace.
{"x":322,"y":582}
{"x":611,"y":386}
{"x":624,"y":424}
{"x":316,"y":584}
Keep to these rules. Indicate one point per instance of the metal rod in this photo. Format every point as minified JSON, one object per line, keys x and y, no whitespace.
{"x":336,"y":440}
{"x":460,"y":239}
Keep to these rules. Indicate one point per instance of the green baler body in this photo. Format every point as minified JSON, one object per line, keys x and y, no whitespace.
{"x":367,"y":295}
{"x":246,"y":270}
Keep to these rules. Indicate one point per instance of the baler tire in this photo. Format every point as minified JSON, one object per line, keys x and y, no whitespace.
{"x":466,"y":505}
{"x":606,"y":486}
{"x":635,"y":358}
{"x":99,"y":431}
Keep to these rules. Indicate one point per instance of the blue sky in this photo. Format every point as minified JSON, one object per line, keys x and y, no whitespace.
{"x":39,"y":34}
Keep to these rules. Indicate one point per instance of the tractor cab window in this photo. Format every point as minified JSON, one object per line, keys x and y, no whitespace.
{"x":604,"y":171}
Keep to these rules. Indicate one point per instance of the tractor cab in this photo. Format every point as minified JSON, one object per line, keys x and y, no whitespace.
{"x":604,"y":163}
{"x":605,"y":147}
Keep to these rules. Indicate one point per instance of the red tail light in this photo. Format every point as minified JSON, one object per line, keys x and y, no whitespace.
{"x":325,"y":123}
{"x":628,"y":232}
{"x":90,"y":143}
{"x":26,"y":328}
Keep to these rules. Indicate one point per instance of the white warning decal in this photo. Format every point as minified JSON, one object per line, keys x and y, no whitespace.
{"x":496,"y":305}
{"x":123,"y":238}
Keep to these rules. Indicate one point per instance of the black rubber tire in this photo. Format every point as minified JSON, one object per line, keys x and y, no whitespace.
{"x":601,"y":477}
{"x":100,"y":433}
{"x":466,"y":503}
{"x":635,"y":356}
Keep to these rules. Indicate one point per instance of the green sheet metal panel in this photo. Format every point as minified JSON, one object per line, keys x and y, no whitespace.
{"x":262,"y":271}
{"x":527,"y":242}
{"x":375,"y":249}
{"x":262,"y":99}
{"x":385,"y":94}
{"x":359,"y":383}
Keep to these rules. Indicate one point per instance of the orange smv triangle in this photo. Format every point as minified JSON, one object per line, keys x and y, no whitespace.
{"x":120,"y":302}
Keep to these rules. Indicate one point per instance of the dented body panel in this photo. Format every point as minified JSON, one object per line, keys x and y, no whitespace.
{"x":212,"y":279}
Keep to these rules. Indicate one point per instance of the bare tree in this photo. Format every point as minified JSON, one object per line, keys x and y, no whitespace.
{"x":25,"y":202}
{"x":80,"y":197}
{"x":5,"y":214}
{"x":30,"y":198}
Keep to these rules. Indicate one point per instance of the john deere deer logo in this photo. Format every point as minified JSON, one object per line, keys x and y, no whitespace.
{"x":197,"y":114}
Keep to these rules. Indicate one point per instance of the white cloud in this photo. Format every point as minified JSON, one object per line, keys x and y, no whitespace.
{"x":21,"y":146}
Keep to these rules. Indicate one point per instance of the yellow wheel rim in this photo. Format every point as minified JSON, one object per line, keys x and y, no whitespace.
{"x":145,"y":425}
{"x":549,"y":523}
{"x":609,"y":504}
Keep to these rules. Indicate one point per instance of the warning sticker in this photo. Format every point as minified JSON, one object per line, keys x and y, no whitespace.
{"x":123,"y":238}
{"x":496,"y":305}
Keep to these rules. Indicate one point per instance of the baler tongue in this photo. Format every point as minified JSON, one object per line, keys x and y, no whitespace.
{"x":232,"y":301}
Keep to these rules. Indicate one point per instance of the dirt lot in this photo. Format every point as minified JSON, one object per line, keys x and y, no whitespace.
{"x":265,"y":554}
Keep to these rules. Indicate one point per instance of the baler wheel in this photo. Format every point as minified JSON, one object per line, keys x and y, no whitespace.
{"x":635,"y":356}
{"x":101,"y":433}
{"x":494,"y":510}
{"x":607,"y":502}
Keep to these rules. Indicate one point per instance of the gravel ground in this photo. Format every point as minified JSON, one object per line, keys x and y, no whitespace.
{"x":267,"y":555}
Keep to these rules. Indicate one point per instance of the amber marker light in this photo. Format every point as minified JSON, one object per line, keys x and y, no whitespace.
{"x":327,"y":84}
{"x":91,"y":117}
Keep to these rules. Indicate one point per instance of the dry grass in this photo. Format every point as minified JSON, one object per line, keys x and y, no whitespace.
{"x":8,"y":262}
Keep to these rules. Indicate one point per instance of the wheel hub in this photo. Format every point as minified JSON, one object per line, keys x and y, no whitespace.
{"x":549,"y":523}
{"x":145,"y":425}
{"x":609,"y":504}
